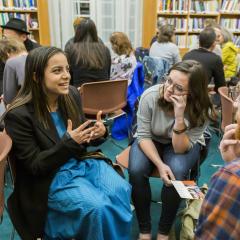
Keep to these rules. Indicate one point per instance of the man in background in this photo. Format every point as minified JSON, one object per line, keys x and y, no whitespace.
{"x":211,"y":62}
{"x":16,"y":28}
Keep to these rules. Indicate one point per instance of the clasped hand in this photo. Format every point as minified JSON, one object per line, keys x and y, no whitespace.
{"x":84,"y":133}
{"x":179,"y":104}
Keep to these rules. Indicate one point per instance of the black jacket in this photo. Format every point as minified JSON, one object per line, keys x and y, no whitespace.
{"x":211,"y":62}
{"x":38,"y":153}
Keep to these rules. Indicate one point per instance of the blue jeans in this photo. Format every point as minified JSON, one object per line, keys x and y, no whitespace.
{"x":140,"y":168}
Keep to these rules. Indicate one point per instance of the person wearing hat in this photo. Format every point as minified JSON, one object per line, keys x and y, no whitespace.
{"x":16,"y":28}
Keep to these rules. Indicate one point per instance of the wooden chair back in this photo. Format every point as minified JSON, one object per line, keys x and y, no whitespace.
{"x":227,"y":107}
{"x":108,"y":96}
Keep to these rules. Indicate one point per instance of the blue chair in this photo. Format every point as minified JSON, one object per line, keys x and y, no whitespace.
{"x":122,"y":125}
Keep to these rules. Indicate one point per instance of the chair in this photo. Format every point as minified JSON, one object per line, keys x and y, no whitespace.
{"x":227,"y":107}
{"x":123,"y":158}
{"x":5,"y":147}
{"x":108,"y":96}
{"x":121,"y":126}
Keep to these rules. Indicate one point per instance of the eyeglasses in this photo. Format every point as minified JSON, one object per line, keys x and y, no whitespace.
{"x":177,"y":89}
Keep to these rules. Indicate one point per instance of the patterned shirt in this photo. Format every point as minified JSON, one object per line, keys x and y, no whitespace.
{"x":123,"y":67}
{"x":220,"y":213}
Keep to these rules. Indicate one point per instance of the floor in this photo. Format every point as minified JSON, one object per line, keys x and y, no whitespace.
{"x":209,"y":166}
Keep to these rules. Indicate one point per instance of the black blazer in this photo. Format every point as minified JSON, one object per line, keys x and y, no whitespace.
{"x":38,"y":153}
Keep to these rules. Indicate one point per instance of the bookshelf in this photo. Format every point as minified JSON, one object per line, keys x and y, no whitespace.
{"x":34,"y":12}
{"x":189,"y":18}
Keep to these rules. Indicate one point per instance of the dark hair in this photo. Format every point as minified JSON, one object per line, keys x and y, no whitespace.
{"x":120,"y":43}
{"x":207,"y":37}
{"x":32,"y":89}
{"x":199,"y":107}
{"x":165,"y":33}
{"x":87,"y":51}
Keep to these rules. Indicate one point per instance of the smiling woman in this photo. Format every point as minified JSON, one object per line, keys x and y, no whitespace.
{"x":66,"y":198}
{"x":171,"y":120}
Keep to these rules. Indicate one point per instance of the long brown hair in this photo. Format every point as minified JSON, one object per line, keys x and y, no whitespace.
{"x":120,"y":43}
{"x":87,"y":50}
{"x":32,"y":89}
{"x":199,"y":107}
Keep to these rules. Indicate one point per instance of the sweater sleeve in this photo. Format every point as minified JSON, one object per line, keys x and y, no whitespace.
{"x":10,"y":83}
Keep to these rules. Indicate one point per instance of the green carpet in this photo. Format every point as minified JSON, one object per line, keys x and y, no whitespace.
{"x":209,"y":166}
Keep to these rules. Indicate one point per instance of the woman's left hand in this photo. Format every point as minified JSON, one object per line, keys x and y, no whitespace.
{"x":179,"y":104}
{"x":99,"y":128}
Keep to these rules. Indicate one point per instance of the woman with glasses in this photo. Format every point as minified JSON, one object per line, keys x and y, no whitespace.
{"x":171,"y":120}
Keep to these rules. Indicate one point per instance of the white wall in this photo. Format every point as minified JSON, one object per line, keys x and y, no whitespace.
{"x":109,"y":16}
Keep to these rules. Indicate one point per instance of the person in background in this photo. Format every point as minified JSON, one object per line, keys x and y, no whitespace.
{"x":171,"y":120}
{"x":210,"y":61}
{"x":219,"y":215}
{"x":125,"y":62}
{"x":160,"y":22}
{"x":165,"y":47}
{"x":16,"y":28}
{"x":89,"y":59}
{"x":229,"y":54}
{"x":70,"y":42}
{"x":74,"y":193}
{"x":210,"y":22}
{"x":14,"y":55}
{"x":76,"y":22}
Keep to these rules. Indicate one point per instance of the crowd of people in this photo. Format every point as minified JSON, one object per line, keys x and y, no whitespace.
{"x":65,"y":191}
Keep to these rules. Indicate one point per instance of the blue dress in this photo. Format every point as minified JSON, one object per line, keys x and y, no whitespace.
{"x":87,"y":200}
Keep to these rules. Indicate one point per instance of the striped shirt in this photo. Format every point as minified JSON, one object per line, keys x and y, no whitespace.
{"x":220,"y":214}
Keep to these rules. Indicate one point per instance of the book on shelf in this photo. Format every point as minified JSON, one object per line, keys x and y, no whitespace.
{"x":31,"y":23}
{"x":188,"y":189}
{"x":18,"y":5}
{"x":174,"y":6}
{"x":230,"y":6}
{"x":204,"y":7}
{"x":180,"y":24}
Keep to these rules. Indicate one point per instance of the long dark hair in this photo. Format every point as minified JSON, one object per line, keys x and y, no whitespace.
{"x":32,"y":89}
{"x":87,"y":50}
{"x":199,"y":107}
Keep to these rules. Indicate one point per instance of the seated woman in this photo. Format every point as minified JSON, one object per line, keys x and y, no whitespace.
{"x":171,"y":120}
{"x":58,"y":194}
{"x":14,"y":55}
{"x":165,"y":47}
{"x":125,"y":62}
{"x":89,"y":58}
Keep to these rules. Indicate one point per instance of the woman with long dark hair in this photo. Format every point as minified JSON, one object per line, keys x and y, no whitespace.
{"x":171,"y":120}
{"x":89,"y":58}
{"x":61,"y":191}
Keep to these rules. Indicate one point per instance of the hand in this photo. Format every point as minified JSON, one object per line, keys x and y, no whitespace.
{"x":229,"y":146}
{"x":179,"y":104}
{"x":166,"y":174}
{"x":99,"y":128}
{"x":81,"y":134}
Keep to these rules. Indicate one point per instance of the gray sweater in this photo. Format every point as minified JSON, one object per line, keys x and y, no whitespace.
{"x":13,"y":77}
{"x":167,"y":51}
{"x":154,"y":123}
